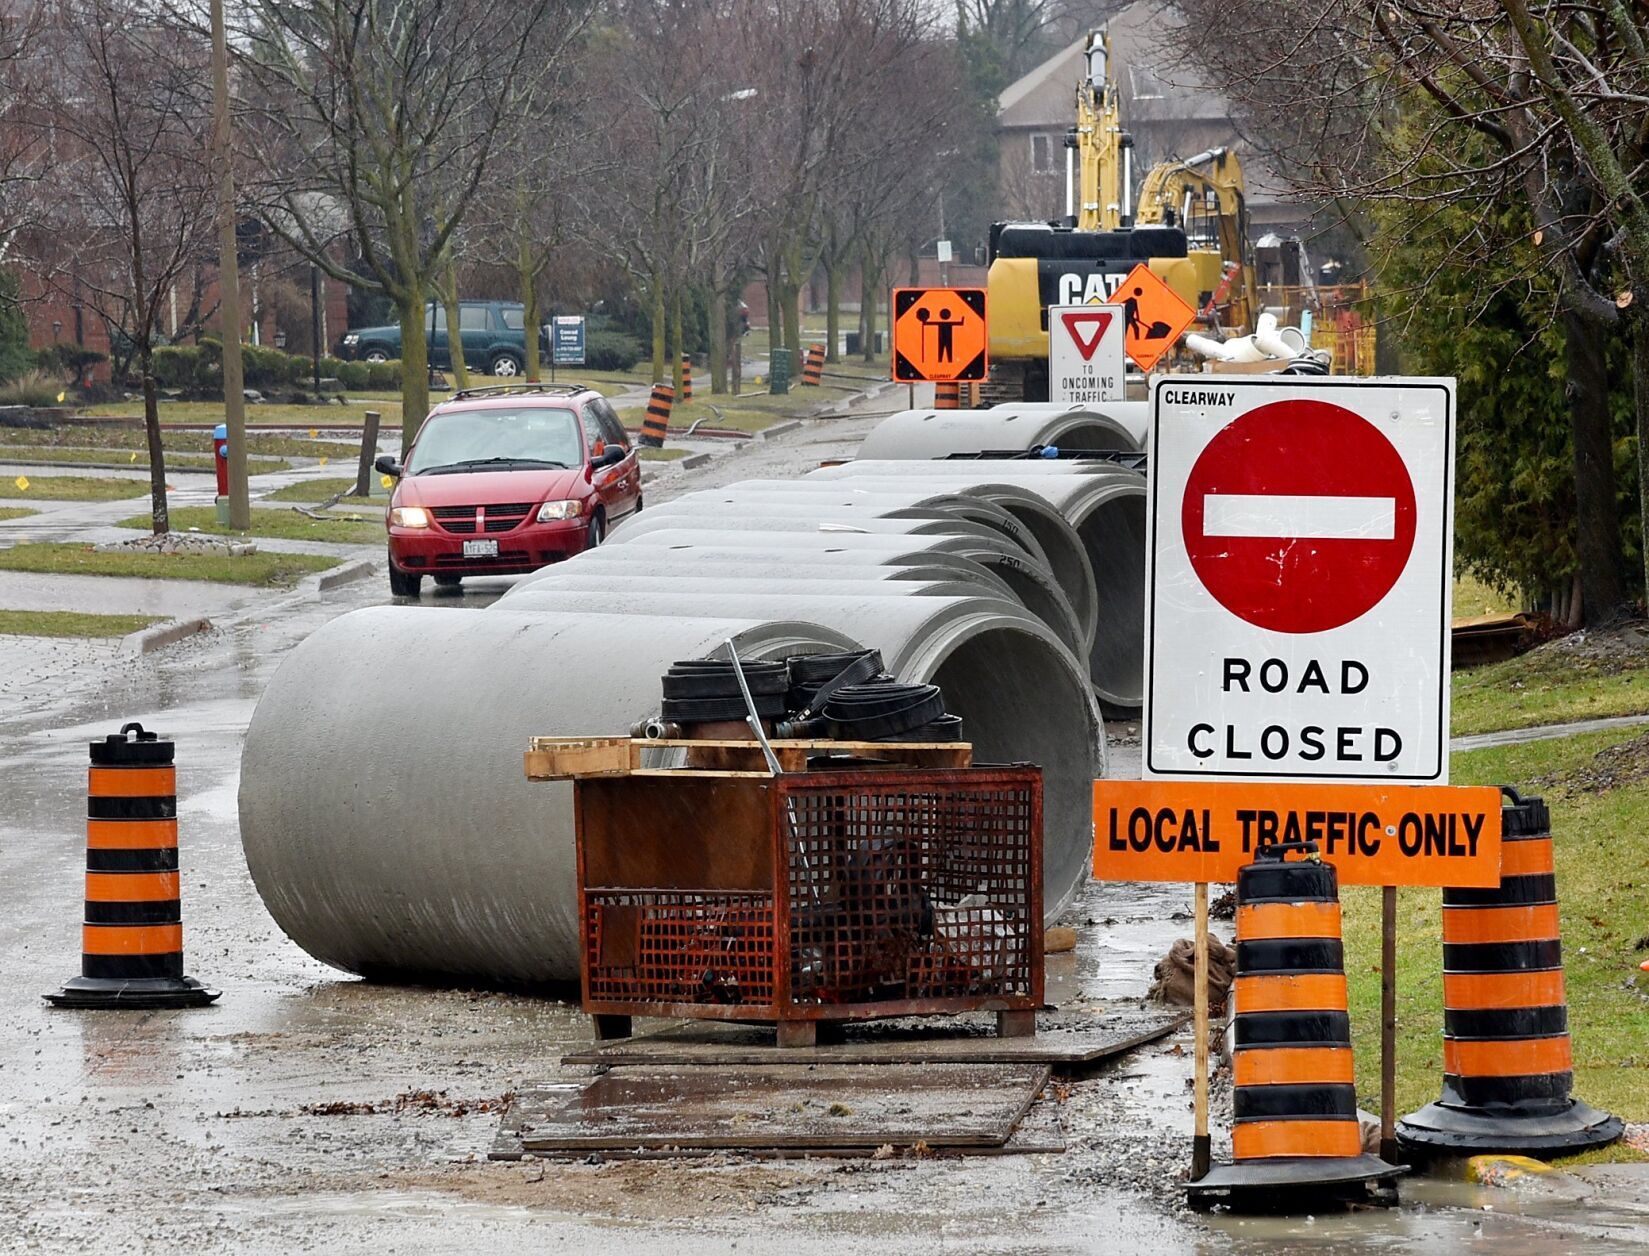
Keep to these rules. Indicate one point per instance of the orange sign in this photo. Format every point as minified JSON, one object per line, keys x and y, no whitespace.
{"x":939,"y":334}
{"x":1153,"y":315}
{"x":1372,"y":834}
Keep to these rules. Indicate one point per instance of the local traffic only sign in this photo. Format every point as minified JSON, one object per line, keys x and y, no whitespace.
{"x":1085,"y":355}
{"x":1298,"y":579}
{"x":939,"y":335}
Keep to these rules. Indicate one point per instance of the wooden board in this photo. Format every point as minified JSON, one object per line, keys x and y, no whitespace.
{"x":1040,"y":1132}
{"x":577,"y":758}
{"x":787,"y":1106}
{"x":1063,"y":1041}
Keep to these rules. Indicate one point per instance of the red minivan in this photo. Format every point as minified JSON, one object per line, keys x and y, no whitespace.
{"x":505,"y":480}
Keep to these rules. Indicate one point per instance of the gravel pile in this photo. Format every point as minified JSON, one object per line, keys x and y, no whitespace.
{"x":181,"y":543}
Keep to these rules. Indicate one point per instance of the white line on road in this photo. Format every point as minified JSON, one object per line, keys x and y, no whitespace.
{"x":1318,"y":518}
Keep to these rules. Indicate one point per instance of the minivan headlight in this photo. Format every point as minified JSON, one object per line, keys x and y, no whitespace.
{"x":549,"y":512}
{"x":409,"y":517}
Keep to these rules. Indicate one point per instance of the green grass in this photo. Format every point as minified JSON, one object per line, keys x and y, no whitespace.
{"x":270,"y":414}
{"x":1603,"y":885}
{"x":1473,"y":597}
{"x":309,"y":492}
{"x":70,"y":624}
{"x":123,"y":457}
{"x":648,"y":454}
{"x":75,"y":488}
{"x":1550,"y":686}
{"x":269,"y":570}
{"x":286,"y":525}
{"x":15,"y":512}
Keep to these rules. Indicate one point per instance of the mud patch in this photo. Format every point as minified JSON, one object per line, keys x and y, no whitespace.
{"x":1624,"y":763}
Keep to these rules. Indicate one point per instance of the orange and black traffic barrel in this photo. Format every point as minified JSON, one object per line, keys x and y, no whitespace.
{"x":947,"y":396}
{"x":813,"y":367}
{"x":686,"y":379}
{"x":1507,"y":1057}
{"x":132,"y":939}
{"x":656,"y":426}
{"x":1295,"y":1128}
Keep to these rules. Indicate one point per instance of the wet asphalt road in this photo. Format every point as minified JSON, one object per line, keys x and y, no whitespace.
{"x":309,"y":1111}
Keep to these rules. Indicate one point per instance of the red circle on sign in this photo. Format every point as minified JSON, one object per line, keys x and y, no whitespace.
{"x":1317,"y":522}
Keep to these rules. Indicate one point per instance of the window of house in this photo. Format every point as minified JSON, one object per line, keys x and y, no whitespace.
{"x":1042,"y":153}
{"x":1143,"y":83}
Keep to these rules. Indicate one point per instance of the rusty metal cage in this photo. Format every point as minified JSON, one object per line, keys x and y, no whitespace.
{"x":812,"y":896}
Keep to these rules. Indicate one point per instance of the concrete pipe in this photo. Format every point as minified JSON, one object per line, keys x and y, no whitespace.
{"x":737,"y":567}
{"x":695,"y":512}
{"x":386,"y":821}
{"x":1021,"y":512}
{"x":912,"y":469}
{"x":1133,"y":415}
{"x":771,"y":540}
{"x":922,"y":434}
{"x":1021,"y":694}
{"x":569,"y":578}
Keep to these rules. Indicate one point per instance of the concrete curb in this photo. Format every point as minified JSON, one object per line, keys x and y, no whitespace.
{"x":360,"y":569}
{"x":778,"y":429}
{"x":147,"y":640}
{"x":696,"y":460}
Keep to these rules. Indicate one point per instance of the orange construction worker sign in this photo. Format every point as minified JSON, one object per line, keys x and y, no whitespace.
{"x":1154,"y":316}
{"x":939,"y":334}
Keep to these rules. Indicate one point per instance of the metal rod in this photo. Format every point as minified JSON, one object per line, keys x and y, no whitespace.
{"x":750,"y":716}
{"x":1201,"y":1154}
{"x":1388,"y":1024}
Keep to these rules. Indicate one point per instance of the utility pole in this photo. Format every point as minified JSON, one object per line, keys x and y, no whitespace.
{"x":234,"y":385}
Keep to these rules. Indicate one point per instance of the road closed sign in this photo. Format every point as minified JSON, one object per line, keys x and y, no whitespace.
{"x":1085,"y":357}
{"x":1298,"y":584}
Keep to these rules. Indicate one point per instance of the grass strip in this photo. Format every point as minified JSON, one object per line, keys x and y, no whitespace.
{"x":1552,"y":685}
{"x":286,"y":525}
{"x":123,"y":457}
{"x":268,"y":570}
{"x":71,"y":624}
{"x":15,"y":512}
{"x":310,"y":492}
{"x":75,"y":488}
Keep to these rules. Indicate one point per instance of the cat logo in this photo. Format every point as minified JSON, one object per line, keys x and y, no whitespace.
{"x":1090,"y":289}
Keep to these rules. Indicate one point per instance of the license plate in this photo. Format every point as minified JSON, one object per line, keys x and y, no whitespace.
{"x":480,"y":549}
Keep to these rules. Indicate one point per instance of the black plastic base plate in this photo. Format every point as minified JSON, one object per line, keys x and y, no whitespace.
{"x":1296,"y":1184}
{"x":1438,"y":1130}
{"x":99,"y":992}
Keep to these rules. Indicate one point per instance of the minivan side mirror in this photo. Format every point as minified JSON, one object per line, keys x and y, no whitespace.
{"x":610,"y":455}
{"x":386,"y":465}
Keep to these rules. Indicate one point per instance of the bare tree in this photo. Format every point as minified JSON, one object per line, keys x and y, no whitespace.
{"x":128,"y":203}
{"x":377,"y":124}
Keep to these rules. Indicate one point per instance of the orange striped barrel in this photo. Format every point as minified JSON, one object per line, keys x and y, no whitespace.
{"x":1507,"y":1057}
{"x":132,"y":936}
{"x":1294,"y":1095}
{"x":656,"y":426}
{"x":686,"y":379}
{"x":813,"y":367}
{"x":947,"y":396}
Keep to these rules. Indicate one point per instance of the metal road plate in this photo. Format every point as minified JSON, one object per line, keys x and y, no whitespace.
{"x":480,"y":549}
{"x":1063,"y":1040}
{"x":788,"y":1106}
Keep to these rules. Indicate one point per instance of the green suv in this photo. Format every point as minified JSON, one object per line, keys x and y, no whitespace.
{"x":493,"y":335}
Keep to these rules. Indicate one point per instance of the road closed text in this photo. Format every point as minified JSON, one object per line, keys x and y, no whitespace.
{"x":1256,"y":739}
{"x":1374,"y":835}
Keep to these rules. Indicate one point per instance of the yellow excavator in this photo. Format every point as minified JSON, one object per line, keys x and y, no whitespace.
{"x":1085,"y":256}
{"x":1204,"y":195}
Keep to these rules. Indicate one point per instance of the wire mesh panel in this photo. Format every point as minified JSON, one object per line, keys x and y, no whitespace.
{"x":913,"y":887}
{"x":664,"y":946}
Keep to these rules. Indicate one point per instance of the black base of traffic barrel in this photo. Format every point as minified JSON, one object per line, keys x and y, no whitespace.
{"x":1440,"y":1130}
{"x":151,"y":992}
{"x":1295,"y":1184}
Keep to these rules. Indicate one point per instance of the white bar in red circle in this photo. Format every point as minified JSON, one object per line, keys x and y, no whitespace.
{"x":1305,"y":518}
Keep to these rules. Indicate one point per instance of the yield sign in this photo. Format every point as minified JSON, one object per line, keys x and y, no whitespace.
{"x":1086,"y":329}
{"x":1299,"y":517}
{"x":1154,"y":314}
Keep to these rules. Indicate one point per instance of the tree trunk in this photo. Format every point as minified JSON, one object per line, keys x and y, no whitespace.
{"x":159,"y":515}
{"x":833,"y":309}
{"x":455,"y":329}
{"x":718,"y":341}
{"x":1640,"y":404}
{"x":529,"y":314}
{"x":870,"y":277}
{"x":1597,"y":526}
{"x":775,"y":318}
{"x":676,"y":343}
{"x":414,"y":365}
{"x":658,"y":331}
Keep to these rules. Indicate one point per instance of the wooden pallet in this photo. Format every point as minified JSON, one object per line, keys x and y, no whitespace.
{"x":584,"y":758}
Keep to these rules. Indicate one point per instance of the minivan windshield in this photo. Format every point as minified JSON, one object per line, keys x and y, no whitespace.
{"x":498,"y":439}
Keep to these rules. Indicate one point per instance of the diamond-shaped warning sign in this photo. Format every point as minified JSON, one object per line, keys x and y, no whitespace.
{"x":1154,"y":316}
{"x":939,"y":334}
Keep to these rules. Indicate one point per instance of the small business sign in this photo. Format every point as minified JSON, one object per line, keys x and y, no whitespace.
{"x":567,"y":340}
{"x":1085,"y":357}
{"x":1298,"y":584}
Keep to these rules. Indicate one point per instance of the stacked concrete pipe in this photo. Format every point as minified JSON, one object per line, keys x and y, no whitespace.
{"x":1102,"y":502}
{"x":923,"y":434}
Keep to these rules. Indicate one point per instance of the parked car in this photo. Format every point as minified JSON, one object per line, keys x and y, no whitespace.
{"x":506,"y":480}
{"x":493,"y":334}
